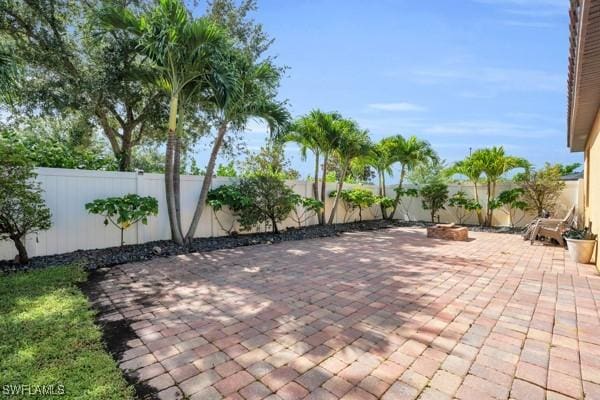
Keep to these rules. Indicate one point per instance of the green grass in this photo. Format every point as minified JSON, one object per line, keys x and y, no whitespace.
{"x":48,"y":337}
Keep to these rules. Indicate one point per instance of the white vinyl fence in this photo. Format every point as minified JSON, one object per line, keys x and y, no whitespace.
{"x":66,"y":192}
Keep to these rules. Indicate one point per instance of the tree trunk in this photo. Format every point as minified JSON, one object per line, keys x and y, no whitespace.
{"x":169,"y":187}
{"x":23,"y":257}
{"x":491,"y":210}
{"x":398,"y":190}
{"x":488,"y":208}
{"x":316,"y":183}
{"x":274,"y":222}
{"x":206,"y":181}
{"x":177,"y":168}
{"x":177,"y":182}
{"x":382,"y":192}
{"x":126,"y":145}
{"x":338,"y":193}
{"x":433,"y":216}
{"x":478,"y":211}
{"x":324,"y":186}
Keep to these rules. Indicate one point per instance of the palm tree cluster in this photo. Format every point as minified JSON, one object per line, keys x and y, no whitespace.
{"x":329,"y":134}
{"x":202,"y":68}
{"x":486,"y":167}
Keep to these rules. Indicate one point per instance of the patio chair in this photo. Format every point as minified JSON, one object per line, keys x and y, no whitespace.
{"x":550,"y":228}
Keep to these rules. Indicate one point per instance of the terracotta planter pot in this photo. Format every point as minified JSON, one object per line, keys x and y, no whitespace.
{"x":581,"y":251}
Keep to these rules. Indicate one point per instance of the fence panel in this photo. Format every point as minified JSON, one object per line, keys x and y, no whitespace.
{"x":67,"y":191}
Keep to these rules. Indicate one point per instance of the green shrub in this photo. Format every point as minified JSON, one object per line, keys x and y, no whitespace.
{"x":434,"y":196}
{"x":462,"y":205}
{"x":227,"y":197}
{"x":309,"y":207}
{"x":357,"y":199}
{"x":125,"y":211}
{"x":270,"y":201}
{"x":510,"y":201}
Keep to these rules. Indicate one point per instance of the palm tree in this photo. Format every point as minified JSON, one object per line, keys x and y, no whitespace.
{"x":409,"y":153}
{"x":472,"y":169}
{"x":305,"y":132}
{"x":351,"y":144}
{"x":495,"y":164}
{"x":380,"y":158}
{"x":182,"y":50}
{"x":252,"y":95}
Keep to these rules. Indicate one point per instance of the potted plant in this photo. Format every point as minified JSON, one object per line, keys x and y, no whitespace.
{"x":581,"y":244}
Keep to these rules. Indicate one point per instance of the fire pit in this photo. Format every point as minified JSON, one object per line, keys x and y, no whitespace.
{"x":448,"y":232}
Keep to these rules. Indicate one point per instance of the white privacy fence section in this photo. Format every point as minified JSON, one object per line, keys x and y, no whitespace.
{"x":66,"y":192}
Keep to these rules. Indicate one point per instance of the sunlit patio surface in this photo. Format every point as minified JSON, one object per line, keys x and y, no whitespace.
{"x":387,"y":314}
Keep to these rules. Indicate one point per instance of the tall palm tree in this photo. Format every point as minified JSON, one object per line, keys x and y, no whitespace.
{"x":408,"y":153}
{"x":472,"y":169}
{"x":252,"y":95}
{"x":380,"y":158}
{"x":305,"y":133}
{"x":351,"y":144}
{"x":328,"y":135}
{"x":495,"y":164}
{"x":182,"y":50}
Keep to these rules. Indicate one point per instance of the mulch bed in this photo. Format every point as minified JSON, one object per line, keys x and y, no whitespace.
{"x":108,"y":257}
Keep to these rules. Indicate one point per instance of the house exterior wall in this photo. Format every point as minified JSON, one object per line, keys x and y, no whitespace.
{"x":591,"y":186}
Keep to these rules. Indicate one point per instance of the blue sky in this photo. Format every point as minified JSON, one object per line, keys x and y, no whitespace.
{"x":460,"y":74}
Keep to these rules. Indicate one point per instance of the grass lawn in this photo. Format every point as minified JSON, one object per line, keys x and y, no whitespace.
{"x":48,"y":337}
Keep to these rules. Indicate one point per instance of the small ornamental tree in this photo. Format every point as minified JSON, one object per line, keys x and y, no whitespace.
{"x":305,"y":209}
{"x":22,"y":208}
{"x":510,"y":202}
{"x":270,"y":201}
{"x":125,"y":211}
{"x":228,"y":197}
{"x":462,"y":205}
{"x":541,"y":188}
{"x":357,"y":199}
{"x":434,"y":195}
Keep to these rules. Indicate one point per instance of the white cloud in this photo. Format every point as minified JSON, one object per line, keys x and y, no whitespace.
{"x":400,"y":106}
{"x":492,"y":78}
{"x":489,"y":129}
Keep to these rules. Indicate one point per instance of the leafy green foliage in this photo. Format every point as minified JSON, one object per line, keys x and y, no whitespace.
{"x":357,"y":198}
{"x":53,"y":152}
{"x":125,"y":211}
{"x":226,"y":170}
{"x":433,"y":196}
{"x":462,"y":205}
{"x":305,"y":209}
{"x":227,"y":198}
{"x":542,"y":187}
{"x":48,"y":336}
{"x":257,"y":199}
{"x":22,"y":208}
{"x":580,"y":234}
{"x":68,"y":68}
{"x":510,"y":201}
{"x":567,"y":169}
{"x":271,"y":201}
{"x":270,"y":160}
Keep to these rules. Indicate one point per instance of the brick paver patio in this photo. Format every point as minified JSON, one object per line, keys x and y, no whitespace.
{"x":387,"y":314}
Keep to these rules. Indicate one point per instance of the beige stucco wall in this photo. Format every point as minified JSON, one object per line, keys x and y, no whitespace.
{"x":591,"y":186}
